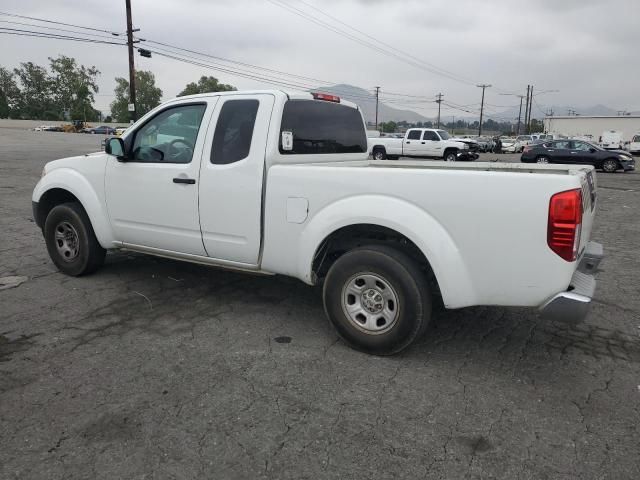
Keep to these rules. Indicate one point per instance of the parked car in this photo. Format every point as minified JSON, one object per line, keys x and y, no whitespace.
{"x":578,"y":152}
{"x":102,"y":130}
{"x":634,"y":145}
{"x":423,"y":142}
{"x":44,"y":128}
{"x":275,"y":183}
{"x":508,"y":144}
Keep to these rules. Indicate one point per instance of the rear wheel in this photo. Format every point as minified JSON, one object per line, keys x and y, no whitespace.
{"x":377,"y":299}
{"x":71,"y":241}
{"x":379,"y":154}
{"x":543,"y":159}
{"x":610,"y":165}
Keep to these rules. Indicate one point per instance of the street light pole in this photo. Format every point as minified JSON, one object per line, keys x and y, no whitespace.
{"x":483,"y":86}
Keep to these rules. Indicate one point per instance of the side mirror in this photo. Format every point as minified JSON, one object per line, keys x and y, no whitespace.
{"x":115,"y":146}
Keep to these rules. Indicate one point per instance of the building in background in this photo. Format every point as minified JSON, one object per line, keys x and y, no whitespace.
{"x":593,"y":126}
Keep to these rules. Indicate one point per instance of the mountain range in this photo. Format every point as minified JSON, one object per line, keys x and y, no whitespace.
{"x":367,"y":102}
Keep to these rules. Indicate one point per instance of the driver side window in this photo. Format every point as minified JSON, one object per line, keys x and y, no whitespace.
{"x":170,"y":136}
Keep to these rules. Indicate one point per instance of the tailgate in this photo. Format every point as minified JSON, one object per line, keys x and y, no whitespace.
{"x":589,"y":201}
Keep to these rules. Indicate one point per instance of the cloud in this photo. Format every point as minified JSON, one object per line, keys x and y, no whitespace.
{"x":584,"y":48}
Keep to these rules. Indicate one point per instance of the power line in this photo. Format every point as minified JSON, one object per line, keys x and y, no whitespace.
{"x":435,"y":67}
{"x":59,"y":23}
{"x":421,"y":64}
{"x":28,"y":33}
{"x":13,"y":22}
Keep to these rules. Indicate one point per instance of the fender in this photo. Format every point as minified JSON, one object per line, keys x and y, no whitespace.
{"x":405,"y":218}
{"x":74,"y":182}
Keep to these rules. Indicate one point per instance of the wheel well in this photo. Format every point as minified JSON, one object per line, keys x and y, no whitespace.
{"x":378,"y":147}
{"x":353,"y":236}
{"x":49,"y":200}
{"x":450,"y":149}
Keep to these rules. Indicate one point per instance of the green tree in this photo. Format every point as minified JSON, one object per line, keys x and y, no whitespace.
{"x":73,"y":88}
{"x":388,"y":127}
{"x":9,"y":93}
{"x":536,"y":125}
{"x":36,"y":98}
{"x":148,"y":96}
{"x":206,"y":85}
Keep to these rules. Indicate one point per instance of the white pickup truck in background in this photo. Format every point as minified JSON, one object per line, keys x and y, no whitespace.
{"x":423,"y":142}
{"x":276,"y":183}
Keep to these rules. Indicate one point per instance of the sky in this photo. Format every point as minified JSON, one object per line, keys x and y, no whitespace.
{"x":581,"y":52}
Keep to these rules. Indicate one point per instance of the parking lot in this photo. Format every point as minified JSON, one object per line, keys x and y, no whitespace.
{"x":152,"y":368}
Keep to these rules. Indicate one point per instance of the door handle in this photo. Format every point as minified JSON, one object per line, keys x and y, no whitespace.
{"x":188,"y":181}
{"x":407,"y":142}
{"x":423,"y":143}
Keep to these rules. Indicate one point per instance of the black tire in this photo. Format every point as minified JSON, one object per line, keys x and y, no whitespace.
{"x":406,"y":281}
{"x":450,"y":155}
{"x":610,"y":165}
{"x":379,"y":154}
{"x":70,"y":218}
{"x":543,"y":159}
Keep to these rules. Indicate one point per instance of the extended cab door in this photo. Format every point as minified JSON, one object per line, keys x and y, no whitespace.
{"x":231,"y":178}
{"x":411,"y":143}
{"x":152,"y":196}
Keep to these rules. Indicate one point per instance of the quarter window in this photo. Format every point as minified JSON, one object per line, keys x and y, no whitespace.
{"x":234,"y":131}
{"x":170,"y":136}
{"x":319,"y":127}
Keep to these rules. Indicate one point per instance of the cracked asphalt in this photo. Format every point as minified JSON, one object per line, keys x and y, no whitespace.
{"x":152,"y":368}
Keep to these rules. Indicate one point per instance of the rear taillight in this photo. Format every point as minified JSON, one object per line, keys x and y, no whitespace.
{"x":565,"y":223}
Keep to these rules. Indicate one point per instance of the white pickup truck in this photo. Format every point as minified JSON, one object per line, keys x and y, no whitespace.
{"x":277,"y":183}
{"x":423,"y":142}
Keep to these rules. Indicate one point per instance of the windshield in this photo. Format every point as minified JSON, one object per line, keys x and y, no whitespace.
{"x":443,"y":135}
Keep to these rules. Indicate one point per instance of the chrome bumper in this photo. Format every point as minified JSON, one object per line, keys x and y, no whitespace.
{"x":573,"y":305}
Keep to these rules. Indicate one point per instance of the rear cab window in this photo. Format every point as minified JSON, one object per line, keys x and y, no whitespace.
{"x":321,"y":127}
{"x":413,"y":135}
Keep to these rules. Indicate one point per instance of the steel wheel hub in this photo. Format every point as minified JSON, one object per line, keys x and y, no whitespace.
{"x":67,"y":241}
{"x":370,"y":303}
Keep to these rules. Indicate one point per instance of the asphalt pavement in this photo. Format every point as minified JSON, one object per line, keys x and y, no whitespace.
{"x":152,"y":368}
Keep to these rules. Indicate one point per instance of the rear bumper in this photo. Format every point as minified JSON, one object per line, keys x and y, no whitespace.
{"x":573,"y":304}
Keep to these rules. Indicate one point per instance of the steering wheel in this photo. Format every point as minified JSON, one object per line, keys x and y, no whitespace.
{"x":175,"y":153}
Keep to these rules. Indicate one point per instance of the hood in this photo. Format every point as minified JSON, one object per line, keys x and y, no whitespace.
{"x":75,"y":162}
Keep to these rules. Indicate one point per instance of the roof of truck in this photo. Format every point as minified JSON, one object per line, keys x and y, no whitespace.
{"x":289,"y":94}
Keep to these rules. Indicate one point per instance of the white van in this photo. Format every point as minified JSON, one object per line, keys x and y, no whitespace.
{"x":611,"y":140}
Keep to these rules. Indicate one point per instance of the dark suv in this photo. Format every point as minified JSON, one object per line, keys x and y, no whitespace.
{"x":578,"y":152}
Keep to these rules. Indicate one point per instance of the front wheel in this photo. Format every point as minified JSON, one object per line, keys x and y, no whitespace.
{"x":377,"y":299}
{"x":610,"y":166}
{"x":450,"y":156}
{"x":71,"y":241}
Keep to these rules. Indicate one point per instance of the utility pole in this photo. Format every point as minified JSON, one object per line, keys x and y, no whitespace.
{"x":439,"y":101}
{"x":519,"y":113}
{"x":132,"y":70}
{"x":483,"y":86}
{"x":453,"y":123}
{"x":526,"y":107}
{"x":530,"y":109}
{"x":377,"y":100}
